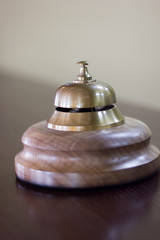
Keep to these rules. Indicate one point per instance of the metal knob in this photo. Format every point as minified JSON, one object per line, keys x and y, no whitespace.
{"x":83,"y":74}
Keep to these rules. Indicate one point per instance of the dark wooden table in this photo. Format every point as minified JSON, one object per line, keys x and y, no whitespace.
{"x":130,"y":212}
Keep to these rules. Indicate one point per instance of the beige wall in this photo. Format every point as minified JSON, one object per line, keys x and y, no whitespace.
{"x":44,"y":39}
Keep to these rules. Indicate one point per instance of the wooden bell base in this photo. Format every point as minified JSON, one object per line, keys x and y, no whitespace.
{"x":105,"y":157}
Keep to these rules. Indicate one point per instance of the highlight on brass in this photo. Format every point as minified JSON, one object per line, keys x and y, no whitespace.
{"x":85,"y":104}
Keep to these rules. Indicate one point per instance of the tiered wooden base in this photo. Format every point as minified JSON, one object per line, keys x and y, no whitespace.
{"x":113,"y":156}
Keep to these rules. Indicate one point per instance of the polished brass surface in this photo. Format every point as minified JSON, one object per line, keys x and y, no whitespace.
{"x":84,"y":92}
{"x":88,"y":94}
{"x":84,"y":95}
{"x":69,"y":121}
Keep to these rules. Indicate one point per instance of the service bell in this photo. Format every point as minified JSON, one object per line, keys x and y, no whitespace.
{"x":86,"y":142}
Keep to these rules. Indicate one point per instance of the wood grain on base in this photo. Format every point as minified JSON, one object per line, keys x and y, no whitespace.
{"x":90,"y":158}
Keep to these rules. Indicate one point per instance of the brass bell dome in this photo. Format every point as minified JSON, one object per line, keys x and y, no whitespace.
{"x":84,"y":104}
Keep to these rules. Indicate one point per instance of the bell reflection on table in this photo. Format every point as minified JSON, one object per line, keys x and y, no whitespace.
{"x":108,"y":213}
